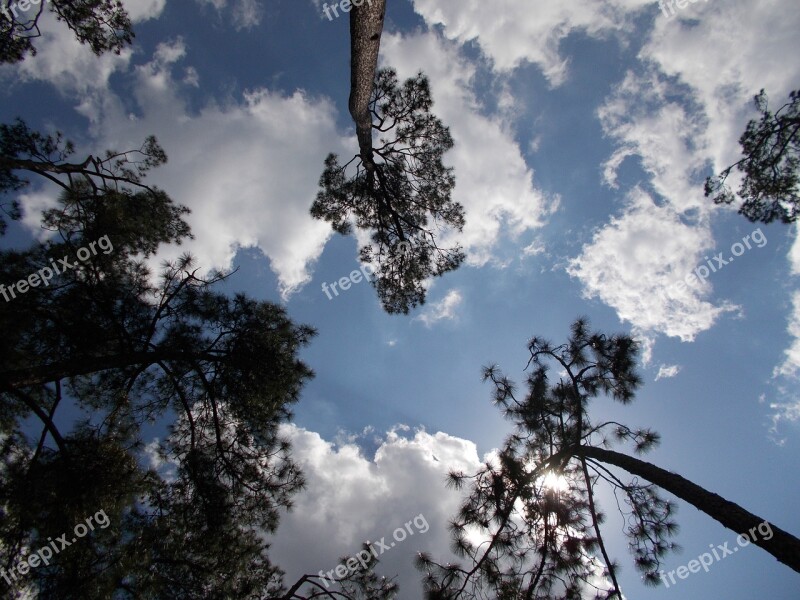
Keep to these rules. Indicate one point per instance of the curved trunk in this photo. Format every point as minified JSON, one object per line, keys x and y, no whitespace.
{"x":782,"y":545}
{"x":366,"y":26}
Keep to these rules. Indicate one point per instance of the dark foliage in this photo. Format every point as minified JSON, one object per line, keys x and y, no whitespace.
{"x":771,"y":165}
{"x":400,"y":193}
{"x":102,"y":24}
{"x":537,"y":504}
{"x":117,"y":352}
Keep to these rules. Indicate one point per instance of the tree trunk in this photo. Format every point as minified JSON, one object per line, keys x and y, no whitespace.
{"x":782,"y":545}
{"x":366,"y":26}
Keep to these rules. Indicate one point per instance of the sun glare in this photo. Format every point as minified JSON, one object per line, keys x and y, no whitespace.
{"x":555,"y":482}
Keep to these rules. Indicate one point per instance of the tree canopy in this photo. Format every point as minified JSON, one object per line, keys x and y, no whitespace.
{"x":157,"y":401}
{"x":400,"y":191}
{"x":116,"y":350}
{"x":770,"y":163}
{"x":103,"y":25}
{"x":536,"y":510}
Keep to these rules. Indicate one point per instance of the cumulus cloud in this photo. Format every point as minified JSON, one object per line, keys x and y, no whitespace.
{"x":638,"y":264}
{"x":443,"y":310}
{"x":70,"y":66}
{"x":247,"y":170}
{"x":738,"y":45}
{"x":678,"y":116}
{"x":351,"y":497}
{"x":65,"y":63}
{"x":652,"y":118}
{"x":511,"y":32}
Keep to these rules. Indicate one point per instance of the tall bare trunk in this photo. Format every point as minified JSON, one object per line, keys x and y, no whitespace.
{"x":782,"y":545}
{"x":366,"y":26}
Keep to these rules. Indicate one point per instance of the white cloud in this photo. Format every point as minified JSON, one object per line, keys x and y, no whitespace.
{"x":636,"y":265}
{"x":247,"y":14}
{"x":143,"y":10}
{"x":667,"y":371}
{"x":681,"y":109}
{"x":65,"y":63}
{"x":511,"y":32}
{"x":794,"y":252}
{"x":247,"y":170}
{"x":71,"y":66}
{"x":783,"y":412}
{"x":649,"y":117}
{"x":493,"y":183}
{"x":791,"y":364}
{"x":445,"y":309}
{"x":678,"y":114}
{"x":786,"y":377}
{"x":351,"y":498}
{"x":534,"y":248}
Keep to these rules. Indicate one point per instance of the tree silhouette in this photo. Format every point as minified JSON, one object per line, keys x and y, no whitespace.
{"x":360,"y":582}
{"x":536,"y":506}
{"x":102,"y":352}
{"x":102,"y":24}
{"x":771,"y":165}
{"x":23,"y":150}
{"x":399,"y":191}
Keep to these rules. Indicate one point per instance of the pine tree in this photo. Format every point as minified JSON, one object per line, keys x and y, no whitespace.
{"x":399,"y":191}
{"x":771,"y":165}
{"x":537,"y":506}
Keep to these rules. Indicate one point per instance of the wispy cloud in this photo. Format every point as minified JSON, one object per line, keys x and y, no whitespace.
{"x":245,"y":14}
{"x":786,"y":377}
{"x":667,"y":371}
{"x":445,"y":309}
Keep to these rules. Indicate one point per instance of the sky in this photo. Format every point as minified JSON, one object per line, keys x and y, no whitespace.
{"x":583,"y":133}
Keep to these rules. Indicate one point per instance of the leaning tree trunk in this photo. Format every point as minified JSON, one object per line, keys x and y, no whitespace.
{"x":782,"y":545}
{"x":366,"y":26}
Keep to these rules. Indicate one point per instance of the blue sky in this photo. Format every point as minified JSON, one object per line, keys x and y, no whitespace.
{"x":583,"y":132}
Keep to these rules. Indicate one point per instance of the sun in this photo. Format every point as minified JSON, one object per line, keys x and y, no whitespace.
{"x":555,"y":482}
